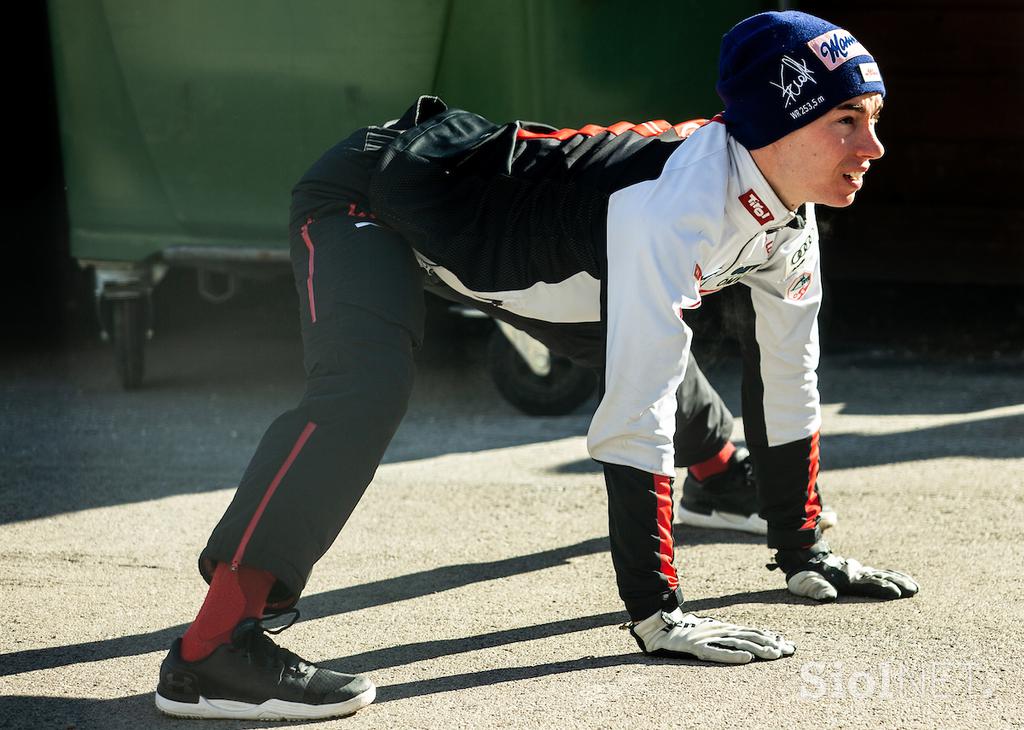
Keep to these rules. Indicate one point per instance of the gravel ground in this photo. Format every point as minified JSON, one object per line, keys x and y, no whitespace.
{"x":474,"y":582}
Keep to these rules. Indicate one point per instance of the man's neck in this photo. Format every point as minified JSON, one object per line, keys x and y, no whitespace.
{"x":766,"y":162}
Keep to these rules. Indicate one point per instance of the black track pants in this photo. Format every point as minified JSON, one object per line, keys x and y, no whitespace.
{"x":361,"y":306}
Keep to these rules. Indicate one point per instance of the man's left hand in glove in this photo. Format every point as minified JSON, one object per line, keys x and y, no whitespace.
{"x":816,"y":572}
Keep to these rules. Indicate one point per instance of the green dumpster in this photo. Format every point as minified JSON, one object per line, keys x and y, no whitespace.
{"x":185,"y":123}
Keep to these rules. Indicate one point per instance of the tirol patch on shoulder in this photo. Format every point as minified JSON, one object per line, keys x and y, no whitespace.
{"x":836,"y":47}
{"x":798,"y":289}
{"x":756,"y":207}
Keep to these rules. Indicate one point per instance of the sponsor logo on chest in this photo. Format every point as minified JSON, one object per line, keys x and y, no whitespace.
{"x":756,"y":207}
{"x":798,"y":257}
{"x":798,"y":289}
{"x":717,"y":280}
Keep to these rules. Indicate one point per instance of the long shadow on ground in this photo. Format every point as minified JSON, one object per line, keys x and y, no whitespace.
{"x":394,"y":590}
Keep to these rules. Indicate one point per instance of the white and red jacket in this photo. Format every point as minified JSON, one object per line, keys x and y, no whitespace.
{"x":708,"y":221}
{"x":629,"y":226}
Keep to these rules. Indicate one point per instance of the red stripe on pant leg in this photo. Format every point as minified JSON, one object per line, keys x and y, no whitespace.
{"x":663,"y":495}
{"x":299,"y":443}
{"x":812,"y":507}
{"x":309,"y":279}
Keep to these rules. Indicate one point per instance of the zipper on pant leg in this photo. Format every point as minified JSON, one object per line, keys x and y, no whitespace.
{"x":251,"y":527}
{"x":309,"y":279}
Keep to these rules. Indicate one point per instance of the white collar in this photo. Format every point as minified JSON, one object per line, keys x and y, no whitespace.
{"x":752,"y":204}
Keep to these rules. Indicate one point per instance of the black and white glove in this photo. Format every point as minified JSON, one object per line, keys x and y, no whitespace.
{"x":679,"y":634}
{"x":816,"y":572}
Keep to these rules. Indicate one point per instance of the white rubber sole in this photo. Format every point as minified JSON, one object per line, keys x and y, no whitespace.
{"x":270,"y":710}
{"x":741,"y":523}
{"x":722,"y":521}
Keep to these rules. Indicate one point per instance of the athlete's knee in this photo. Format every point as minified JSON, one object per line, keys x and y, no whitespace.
{"x":368,"y":386}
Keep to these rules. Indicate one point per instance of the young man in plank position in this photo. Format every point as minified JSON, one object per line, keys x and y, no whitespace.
{"x":597,"y":242}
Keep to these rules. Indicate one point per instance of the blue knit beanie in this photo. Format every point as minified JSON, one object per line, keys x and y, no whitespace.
{"x":780,"y":71}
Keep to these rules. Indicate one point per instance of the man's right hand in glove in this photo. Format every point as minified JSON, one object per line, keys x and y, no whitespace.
{"x":816,"y":572}
{"x":676,"y":634}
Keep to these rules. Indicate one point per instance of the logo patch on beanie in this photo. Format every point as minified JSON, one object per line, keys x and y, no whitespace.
{"x":870,"y":72}
{"x":835,"y":48}
{"x":756,"y":207}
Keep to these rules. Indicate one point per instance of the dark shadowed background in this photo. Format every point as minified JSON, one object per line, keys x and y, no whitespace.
{"x":928,"y":259}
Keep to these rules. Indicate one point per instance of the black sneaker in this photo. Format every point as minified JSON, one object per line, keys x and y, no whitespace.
{"x":728,"y":501}
{"x":252,"y":678}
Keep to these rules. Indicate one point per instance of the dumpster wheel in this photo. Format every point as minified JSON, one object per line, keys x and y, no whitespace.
{"x":561,"y":390}
{"x":129,"y":335}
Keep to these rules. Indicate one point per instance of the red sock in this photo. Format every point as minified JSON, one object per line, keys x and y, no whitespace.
{"x":715,"y":465}
{"x":233,"y":596}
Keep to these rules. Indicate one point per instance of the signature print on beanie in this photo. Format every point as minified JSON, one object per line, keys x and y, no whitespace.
{"x":791,"y":85}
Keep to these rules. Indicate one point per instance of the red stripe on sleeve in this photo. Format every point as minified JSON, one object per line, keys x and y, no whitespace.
{"x":646,"y":129}
{"x":685,"y":129}
{"x":561,"y":134}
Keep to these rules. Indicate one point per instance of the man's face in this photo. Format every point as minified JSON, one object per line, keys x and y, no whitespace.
{"x":825,"y":161}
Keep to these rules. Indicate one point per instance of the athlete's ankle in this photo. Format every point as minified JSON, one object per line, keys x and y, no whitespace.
{"x":235,"y":594}
{"x":717,"y":464}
